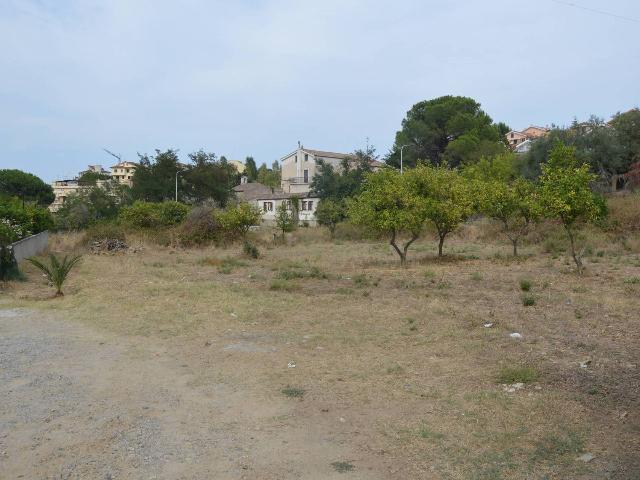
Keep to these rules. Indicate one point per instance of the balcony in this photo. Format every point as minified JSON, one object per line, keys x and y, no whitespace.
{"x":296,"y":181}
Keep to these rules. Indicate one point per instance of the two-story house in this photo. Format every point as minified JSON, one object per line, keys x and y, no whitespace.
{"x":123,"y":172}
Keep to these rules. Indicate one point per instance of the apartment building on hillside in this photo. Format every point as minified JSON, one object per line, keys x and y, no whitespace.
{"x":123,"y":172}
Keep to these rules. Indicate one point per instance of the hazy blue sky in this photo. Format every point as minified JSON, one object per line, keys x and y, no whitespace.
{"x":254,"y":77}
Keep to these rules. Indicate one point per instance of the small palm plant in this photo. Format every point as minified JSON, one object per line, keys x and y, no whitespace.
{"x":57,"y":271}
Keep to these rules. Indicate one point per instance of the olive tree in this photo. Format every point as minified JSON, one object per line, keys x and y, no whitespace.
{"x":388,"y":203}
{"x":566,"y":195}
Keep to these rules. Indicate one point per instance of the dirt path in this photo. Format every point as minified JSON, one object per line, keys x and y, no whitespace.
{"x":81,"y":404}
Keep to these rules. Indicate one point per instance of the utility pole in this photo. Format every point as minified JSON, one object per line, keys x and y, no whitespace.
{"x":402,"y":148}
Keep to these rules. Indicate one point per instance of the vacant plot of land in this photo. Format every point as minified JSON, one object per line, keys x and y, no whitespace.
{"x":324,"y":360}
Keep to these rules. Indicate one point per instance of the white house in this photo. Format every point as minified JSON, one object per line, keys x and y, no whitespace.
{"x":268,"y":200}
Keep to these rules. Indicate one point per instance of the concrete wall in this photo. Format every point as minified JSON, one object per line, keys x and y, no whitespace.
{"x":30,"y":246}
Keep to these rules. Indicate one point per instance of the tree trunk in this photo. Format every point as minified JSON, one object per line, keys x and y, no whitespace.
{"x":515,"y":246}
{"x":441,"y":243}
{"x":576,"y":257}
{"x":401,"y":254}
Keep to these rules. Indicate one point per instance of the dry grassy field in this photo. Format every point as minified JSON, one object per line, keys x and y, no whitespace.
{"x":342,"y":364}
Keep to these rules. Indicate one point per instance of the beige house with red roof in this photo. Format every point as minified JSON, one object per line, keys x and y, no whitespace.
{"x":516,"y":138}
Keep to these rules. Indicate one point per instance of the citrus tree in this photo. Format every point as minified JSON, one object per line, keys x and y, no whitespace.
{"x":515,"y":205}
{"x":389,"y":204}
{"x":448,"y":197}
{"x":329,"y":213}
{"x":566,"y":195}
{"x":285,"y":218}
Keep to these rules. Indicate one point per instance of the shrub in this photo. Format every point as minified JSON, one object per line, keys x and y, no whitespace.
{"x":99,"y":232}
{"x":199,"y":228}
{"x":250,"y":250}
{"x":8,"y":265}
{"x":525,"y":285}
{"x":236,"y":221}
{"x":528,"y":300}
{"x":153,"y":215}
{"x":18,"y":221}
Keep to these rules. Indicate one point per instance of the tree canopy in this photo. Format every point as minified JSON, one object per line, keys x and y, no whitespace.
{"x":566,"y":195}
{"x":608,"y":149}
{"x":26,"y":186}
{"x":450,"y":129}
{"x":205,"y":178}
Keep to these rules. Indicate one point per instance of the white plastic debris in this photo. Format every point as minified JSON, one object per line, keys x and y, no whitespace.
{"x":585,"y":457}
{"x":291,"y":365}
{"x":585,"y":363}
{"x":515,"y":335}
{"x":488,"y":325}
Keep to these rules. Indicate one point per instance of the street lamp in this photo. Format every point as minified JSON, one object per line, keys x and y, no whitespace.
{"x":401,"y":148}
{"x":177,"y":172}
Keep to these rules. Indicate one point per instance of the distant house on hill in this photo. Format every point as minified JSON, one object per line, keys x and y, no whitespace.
{"x":123,"y":172}
{"x":516,"y":138}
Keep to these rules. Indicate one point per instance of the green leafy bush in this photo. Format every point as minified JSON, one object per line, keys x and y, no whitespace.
{"x":236,"y":221}
{"x":18,"y":221}
{"x":250,"y":250}
{"x":153,"y":215}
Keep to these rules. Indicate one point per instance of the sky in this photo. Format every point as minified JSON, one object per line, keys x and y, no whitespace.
{"x":255,"y":77}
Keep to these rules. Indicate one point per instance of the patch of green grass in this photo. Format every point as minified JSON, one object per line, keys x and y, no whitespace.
{"x":443,"y":284}
{"x":429,"y":274}
{"x":395,"y":369}
{"x":283,"y":285}
{"x":311,"y":272}
{"x":518,"y":374}
{"x":361,"y":280}
{"x":554,"y":445}
{"x":293,"y":392}
{"x":632,"y":281}
{"x":476,"y":276}
{"x":344,"y":291}
{"x":426,"y":433}
{"x":528,"y":300}
{"x":343,"y":467}
{"x":525,"y":285}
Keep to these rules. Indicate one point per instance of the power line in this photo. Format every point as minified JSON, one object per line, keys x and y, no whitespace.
{"x":593,"y":10}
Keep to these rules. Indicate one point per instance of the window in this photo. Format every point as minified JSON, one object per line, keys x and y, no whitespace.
{"x":296,"y":158}
{"x":306,"y":176}
{"x":306,"y":157}
{"x":288,"y":204}
{"x":304,"y":205}
{"x":267,"y":206}
{"x":307,"y":205}
{"x":310,"y":205}
{"x":512,"y":135}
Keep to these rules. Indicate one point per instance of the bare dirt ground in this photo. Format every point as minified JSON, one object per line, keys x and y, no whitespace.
{"x":81,"y":404}
{"x":175,"y":364}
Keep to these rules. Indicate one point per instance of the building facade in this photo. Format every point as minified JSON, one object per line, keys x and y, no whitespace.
{"x":516,"y":138}
{"x":123,"y":172}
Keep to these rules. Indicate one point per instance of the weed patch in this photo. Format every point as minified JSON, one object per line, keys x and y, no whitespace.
{"x":522,"y":374}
